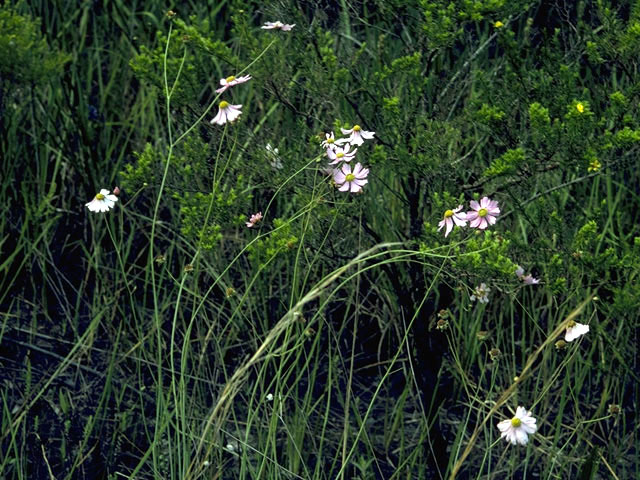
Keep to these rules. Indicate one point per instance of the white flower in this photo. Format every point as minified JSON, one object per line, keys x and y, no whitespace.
{"x":357,"y":135}
{"x":526,"y":279}
{"x":518,"y":429}
{"x":274,"y":159}
{"x":226,"y":113}
{"x":341,"y":154}
{"x":278,"y":26}
{"x":102,"y":202}
{"x":269,"y":397}
{"x":329,"y":143}
{"x":231,"y":81}
{"x":481,"y":293}
{"x":451,"y":216}
{"x":351,"y":180}
{"x":575,"y":330}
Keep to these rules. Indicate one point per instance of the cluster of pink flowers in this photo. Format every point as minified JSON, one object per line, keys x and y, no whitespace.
{"x":341,"y":152}
{"x":480,"y":216}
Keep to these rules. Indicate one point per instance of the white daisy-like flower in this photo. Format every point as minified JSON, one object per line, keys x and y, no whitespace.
{"x":231,"y":81}
{"x":481,"y":293}
{"x":575,"y":330}
{"x":451,"y":216}
{"x":330,"y":142}
{"x":226,"y":113}
{"x":274,"y":158}
{"x":357,"y":135}
{"x":277,"y":26}
{"x":341,"y":154}
{"x":102,"y":202}
{"x":351,"y":180}
{"x":518,"y":429}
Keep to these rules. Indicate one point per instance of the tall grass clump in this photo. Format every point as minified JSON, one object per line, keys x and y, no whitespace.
{"x":319,"y":240}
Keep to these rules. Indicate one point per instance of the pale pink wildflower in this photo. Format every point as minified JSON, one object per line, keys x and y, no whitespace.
{"x":526,"y":279}
{"x":451,"y":216}
{"x":232,"y":81}
{"x":226,"y":113}
{"x":277,"y":26}
{"x":350,"y":180}
{"x":483,"y":213}
{"x":481,"y":293}
{"x":341,"y":154}
{"x":255,"y":218}
{"x":357,"y":135}
{"x":575,"y":330}
{"x":518,"y":429}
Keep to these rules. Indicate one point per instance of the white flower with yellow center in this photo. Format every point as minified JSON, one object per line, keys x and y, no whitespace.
{"x":341,"y":154}
{"x":518,"y":429}
{"x":575,"y":330}
{"x":102,"y":202}
{"x":231,"y":81}
{"x":357,"y":136}
{"x":451,"y":216}
{"x":226,"y":113}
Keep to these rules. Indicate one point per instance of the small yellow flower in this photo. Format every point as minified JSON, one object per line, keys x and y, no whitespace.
{"x":498,"y":24}
{"x":594,"y":166}
{"x":580,"y":107}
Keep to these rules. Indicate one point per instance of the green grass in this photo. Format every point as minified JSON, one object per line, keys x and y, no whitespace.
{"x":336,"y":338}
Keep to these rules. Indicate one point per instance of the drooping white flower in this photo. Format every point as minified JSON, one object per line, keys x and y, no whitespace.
{"x":518,"y":429}
{"x":357,"y":135}
{"x":255,"y":218}
{"x":575,"y":330}
{"x":278,"y":25}
{"x":102,"y":202}
{"x":451,"y":216}
{"x":226,"y":113}
{"x":274,"y":158}
{"x":231,"y":81}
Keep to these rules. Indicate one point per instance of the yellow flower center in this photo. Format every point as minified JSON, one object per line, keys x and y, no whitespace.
{"x":516,"y":422}
{"x":99,"y":196}
{"x":330,"y":140}
{"x":350,"y":177}
{"x":224,"y":104}
{"x":230,"y":79}
{"x":448,"y":213}
{"x":580,"y":107}
{"x":482,"y":212}
{"x":571,"y":324}
{"x":356,"y":128}
{"x":340,"y":155}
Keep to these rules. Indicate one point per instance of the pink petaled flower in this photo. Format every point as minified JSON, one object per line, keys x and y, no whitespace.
{"x":526,"y":279}
{"x":226,"y":113}
{"x":278,"y":26}
{"x":351,"y":180}
{"x":451,"y":216}
{"x":483,"y":213}
{"x":231,"y":81}
{"x":357,"y":135}
{"x":255,"y":218}
{"x":341,"y":154}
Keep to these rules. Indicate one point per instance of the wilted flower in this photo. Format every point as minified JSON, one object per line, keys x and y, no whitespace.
{"x":451,"y":216}
{"x":575,"y":330}
{"x":481,"y":293}
{"x":231,"y":81}
{"x":274,"y":159}
{"x":226,"y":113}
{"x":483,"y":213}
{"x":350,"y":180}
{"x":102,"y":202}
{"x":255,"y":218}
{"x":116,"y":191}
{"x":341,"y":154}
{"x":518,"y":429}
{"x":526,"y":279}
{"x":357,"y":135}
{"x":278,"y":26}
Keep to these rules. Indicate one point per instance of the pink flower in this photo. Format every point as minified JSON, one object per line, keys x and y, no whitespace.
{"x":526,"y":279}
{"x":350,"y":180}
{"x":483,"y":213}
{"x":231,"y":81}
{"x":451,"y":216}
{"x":226,"y":113}
{"x":357,"y":135}
{"x":341,"y":154}
{"x":278,"y":26}
{"x":255,"y":218}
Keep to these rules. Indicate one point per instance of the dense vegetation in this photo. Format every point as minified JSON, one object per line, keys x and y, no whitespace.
{"x":337,"y":334}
